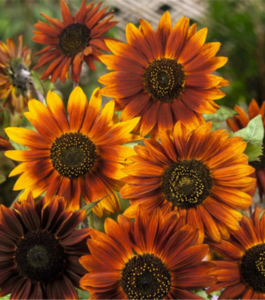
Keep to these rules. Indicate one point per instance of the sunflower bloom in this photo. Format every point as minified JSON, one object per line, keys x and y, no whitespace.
{"x":153,"y":258}
{"x":39,"y":253}
{"x":241,"y":121}
{"x":242,"y":274}
{"x":204,"y":175}
{"x":75,"y":39}
{"x":14,"y":74}
{"x":163,"y":76}
{"x":82,"y":156}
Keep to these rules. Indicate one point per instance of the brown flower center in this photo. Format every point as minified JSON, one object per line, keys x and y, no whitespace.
{"x":187,"y":183}
{"x":145,"y":277}
{"x":164,"y":80}
{"x":74,"y":39}
{"x":252,"y":268}
{"x":73,"y":155}
{"x":39,"y":257}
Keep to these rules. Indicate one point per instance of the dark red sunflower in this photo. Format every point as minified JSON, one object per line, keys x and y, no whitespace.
{"x":202,"y":174}
{"x":241,"y":121}
{"x":75,"y":39}
{"x":164,"y":76}
{"x":243,"y":273}
{"x":14,"y":75}
{"x":81,"y":154}
{"x":40,"y":250}
{"x":155,"y":257}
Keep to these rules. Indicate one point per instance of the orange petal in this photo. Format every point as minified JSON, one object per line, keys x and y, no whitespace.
{"x":77,"y":106}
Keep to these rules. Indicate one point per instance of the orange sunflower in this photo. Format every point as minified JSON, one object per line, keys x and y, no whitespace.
{"x":40,"y":250}
{"x":163,"y":76}
{"x":241,"y":121}
{"x":82,"y":156}
{"x":155,"y":257}
{"x":14,"y":74}
{"x":75,"y":39}
{"x":202,"y":174}
{"x":242,"y":274}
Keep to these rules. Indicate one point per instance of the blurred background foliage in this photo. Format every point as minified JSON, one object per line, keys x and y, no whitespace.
{"x":238,"y":25}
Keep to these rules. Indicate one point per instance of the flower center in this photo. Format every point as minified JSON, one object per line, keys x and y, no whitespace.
{"x":74,"y":39}
{"x":252,"y":268}
{"x":73,"y":155}
{"x":39,"y":257}
{"x":164,"y":80}
{"x":145,"y":277}
{"x":187,"y":183}
{"x":18,"y":73}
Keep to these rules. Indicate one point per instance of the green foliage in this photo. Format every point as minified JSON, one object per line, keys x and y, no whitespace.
{"x":5,"y":297}
{"x":239,"y":26}
{"x":220,"y":116}
{"x":2,"y":179}
{"x":5,"y":119}
{"x":42,"y":86}
{"x":89,"y":207}
{"x":84,"y":295}
{"x":202,"y":293}
{"x":252,"y":134}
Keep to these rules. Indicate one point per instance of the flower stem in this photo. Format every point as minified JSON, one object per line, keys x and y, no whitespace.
{"x":91,"y":220}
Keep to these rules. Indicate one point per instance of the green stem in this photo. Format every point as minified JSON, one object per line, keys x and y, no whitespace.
{"x":91,"y":220}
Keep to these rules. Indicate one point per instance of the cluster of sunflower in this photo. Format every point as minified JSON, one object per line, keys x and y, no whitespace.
{"x":187,"y":183}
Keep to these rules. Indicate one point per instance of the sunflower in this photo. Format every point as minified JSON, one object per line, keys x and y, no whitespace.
{"x":163,"y":76}
{"x":40,"y":250}
{"x":241,"y":121}
{"x":202,"y":174}
{"x":242,"y":274}
{"x":75,"y":39}
{"x":14,"y":74}
{"x":155,"y":257}
{"x":81,"y":157}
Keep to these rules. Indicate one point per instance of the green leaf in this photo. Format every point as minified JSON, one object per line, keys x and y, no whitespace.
{"x":83,"y":294}
{"x":252,"y":134}
{"x":42,"y":86}
{"x":220,"y":116}
{"x":200,"y":293}
{"x":88,"y":208}
{"x":2,"y":179}
{"x":5,"y":297}
{"x":6,"y":117}
{"x":17,"y":146}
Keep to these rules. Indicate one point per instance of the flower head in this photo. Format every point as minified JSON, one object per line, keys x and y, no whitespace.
{"x":242,"y":274}
{"x":82,"y":156}
{"x":163,"y":76}
{"x":202,"y":174}
{"x":155,"y":257}
{"x":40,"y":249}
{"x":14,"y":75}
{"x":75,"y":39}
{"x":241,"y":121}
